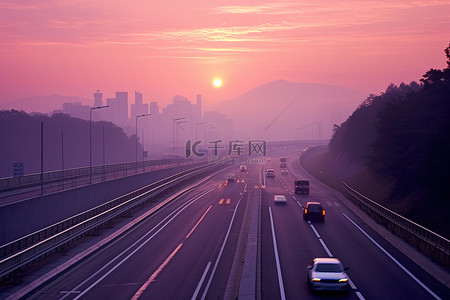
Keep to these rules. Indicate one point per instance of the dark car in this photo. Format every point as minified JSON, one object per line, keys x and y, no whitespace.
{"x":314,"y":212}
{"x":302,"y":187}
{"x":231,"y":178}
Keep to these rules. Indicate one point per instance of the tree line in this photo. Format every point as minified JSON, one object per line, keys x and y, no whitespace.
{"x":404,"y":135}
{"x":66,"y":142}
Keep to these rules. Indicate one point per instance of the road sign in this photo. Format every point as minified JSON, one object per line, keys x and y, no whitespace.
{"x":18,"y":169}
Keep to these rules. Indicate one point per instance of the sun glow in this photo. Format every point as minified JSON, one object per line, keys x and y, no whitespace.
{"x":217,"y":83}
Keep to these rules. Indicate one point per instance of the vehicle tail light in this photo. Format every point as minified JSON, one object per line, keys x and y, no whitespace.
{"x":306,"y":210}
{"x":323,"y":212}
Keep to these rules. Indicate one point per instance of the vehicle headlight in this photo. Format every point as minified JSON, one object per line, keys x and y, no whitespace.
{"x":343,"y":280}
{"x":315,"y":279}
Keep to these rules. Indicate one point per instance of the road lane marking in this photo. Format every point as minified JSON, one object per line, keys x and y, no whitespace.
{"x":152,"y":278}
{"x":314,"y":229}
{"x":277,"y":259}
{"x":393,"y":259}
{"x":198,"y":222}
{"x":156,"y":273}
{"x":221,"y":251}
{"x":320,"y":239}
{"x":325,"y":247}
{"x":352,"y":285}
{"x":167,"y":219}
{"x":202,"y":279}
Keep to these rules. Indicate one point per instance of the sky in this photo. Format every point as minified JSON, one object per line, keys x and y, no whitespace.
{"x":178,"y":47}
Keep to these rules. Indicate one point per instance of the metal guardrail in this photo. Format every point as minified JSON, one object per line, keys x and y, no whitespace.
{"x":425,"y":240}
{"x":11,"y":183}
{"x":23,"y":251}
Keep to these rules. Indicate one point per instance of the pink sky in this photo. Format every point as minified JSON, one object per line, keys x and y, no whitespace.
{"x":164,"y":48}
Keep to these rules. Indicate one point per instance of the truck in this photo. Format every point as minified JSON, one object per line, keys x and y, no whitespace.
{"x":302,"y":187}
{"x":283,"y":162}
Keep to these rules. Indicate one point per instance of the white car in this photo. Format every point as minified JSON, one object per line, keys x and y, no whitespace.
{"x":279,"y":199}
{"x":327,"y":274}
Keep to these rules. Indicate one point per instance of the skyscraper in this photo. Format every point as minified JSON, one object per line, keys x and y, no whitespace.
{"x":97,"y":115}
{"x":138,"y":108}
{"x":98,"y":98}
{"x":122,"y":108}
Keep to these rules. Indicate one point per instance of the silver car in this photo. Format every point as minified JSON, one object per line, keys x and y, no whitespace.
{"x":279,"y":199}
{"x":327,"y":274}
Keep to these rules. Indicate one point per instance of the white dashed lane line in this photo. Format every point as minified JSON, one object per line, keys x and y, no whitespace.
{"x":352,"y":285}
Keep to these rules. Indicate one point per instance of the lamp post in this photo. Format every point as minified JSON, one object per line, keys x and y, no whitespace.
{"x":178,"y":123}
{"x":196,"y":129}
{"x":90,"y":139}
{"x":173,"y":129}
{"x":210,"y":131}
{"x":144,"y":115}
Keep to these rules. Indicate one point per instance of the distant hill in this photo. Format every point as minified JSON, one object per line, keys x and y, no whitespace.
{"x":43,"y":104}
{"x":282,"y":110}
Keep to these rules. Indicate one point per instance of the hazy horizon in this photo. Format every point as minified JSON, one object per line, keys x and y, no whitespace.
{"x":166,"y":49}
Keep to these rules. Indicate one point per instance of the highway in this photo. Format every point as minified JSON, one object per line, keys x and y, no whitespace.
{"x":184,"y":250}
{"x":373,"y":273}
{"x":190,"y":248}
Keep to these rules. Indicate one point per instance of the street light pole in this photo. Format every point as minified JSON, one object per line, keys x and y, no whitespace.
{"x":210,"y":131}
{"x":196,"y":129}
{"x":173,"y":129}
{"x":144,"y":115}
{"x":178,"y":123}
{"x":90,"y":139}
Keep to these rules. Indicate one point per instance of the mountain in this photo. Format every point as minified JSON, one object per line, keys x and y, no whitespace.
{"x":43,"y":104}
{"x":282,"y":110}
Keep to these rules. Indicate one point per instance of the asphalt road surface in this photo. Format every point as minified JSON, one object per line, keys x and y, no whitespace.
{"x":189,"y":249}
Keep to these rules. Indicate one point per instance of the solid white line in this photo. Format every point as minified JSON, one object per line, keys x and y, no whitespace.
{"x":201,"y":281}
{"x":325,"y":247}
{"x":221,"y":251}
{"x":277,"y":259}
{"x":393,"y":259}
{"x":264,"y":178}
{"x":180,"y":209}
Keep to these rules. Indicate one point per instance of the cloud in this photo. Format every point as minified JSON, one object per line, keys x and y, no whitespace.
{"x":268,"y":8}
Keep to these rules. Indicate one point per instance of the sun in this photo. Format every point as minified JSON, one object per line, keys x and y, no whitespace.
{"x":217,"y":83}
